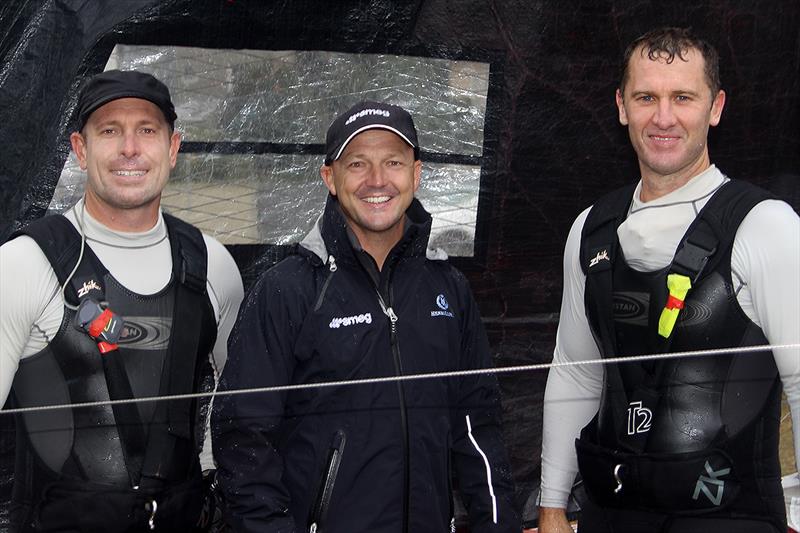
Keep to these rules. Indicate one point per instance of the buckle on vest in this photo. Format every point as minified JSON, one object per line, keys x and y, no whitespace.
{"x":692,"y":259}
{"x":100,"y":323}
{"x":191,"y":281}
{"x":618,"y":478}
{"x":151,"y":507}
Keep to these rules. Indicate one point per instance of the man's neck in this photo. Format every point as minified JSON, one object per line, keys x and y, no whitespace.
{"x":654,"y":186}
{"x":127,"y":220}
{"x":378,"y":249}
{"x":378,"y":245}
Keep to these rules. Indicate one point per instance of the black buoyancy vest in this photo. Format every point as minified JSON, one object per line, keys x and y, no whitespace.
{"x":688,"y":435}
{"x":163,"y":350}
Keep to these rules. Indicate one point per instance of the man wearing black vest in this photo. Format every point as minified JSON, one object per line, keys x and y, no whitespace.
{"x":686,"y":259}
{"x":113,"y":300}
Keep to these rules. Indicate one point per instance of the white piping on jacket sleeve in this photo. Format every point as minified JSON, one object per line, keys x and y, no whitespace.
{"x":488,"y":470}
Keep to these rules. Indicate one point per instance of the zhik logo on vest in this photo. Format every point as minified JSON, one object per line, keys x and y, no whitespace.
{"x":441,"y":303}
{"x":88,"y":286}
{"x":601,"y":256}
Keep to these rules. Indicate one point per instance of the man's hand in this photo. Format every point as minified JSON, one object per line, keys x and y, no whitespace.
{"x":553,"y":520}
{"x":211,"y":519}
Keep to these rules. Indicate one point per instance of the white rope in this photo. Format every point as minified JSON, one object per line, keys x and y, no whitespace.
{"x":412,"y":377}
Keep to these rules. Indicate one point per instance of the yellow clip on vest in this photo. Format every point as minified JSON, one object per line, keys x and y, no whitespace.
{"x":678,"y":286}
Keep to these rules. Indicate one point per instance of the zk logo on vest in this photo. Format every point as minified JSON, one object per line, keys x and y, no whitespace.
{"x":712,"y":479}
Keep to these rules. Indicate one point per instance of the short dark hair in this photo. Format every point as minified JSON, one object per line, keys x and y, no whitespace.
{"x":670,"y":43}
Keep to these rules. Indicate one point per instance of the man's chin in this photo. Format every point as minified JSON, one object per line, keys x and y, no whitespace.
{"x":381,"y":226}
{"x":132,"y":202}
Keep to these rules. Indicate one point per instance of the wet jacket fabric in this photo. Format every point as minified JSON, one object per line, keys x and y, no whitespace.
{"x":372,"y":457}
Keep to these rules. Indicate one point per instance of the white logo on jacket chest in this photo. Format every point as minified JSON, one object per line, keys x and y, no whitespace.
{"x":338,"y":322}
{"x":441,"y":303}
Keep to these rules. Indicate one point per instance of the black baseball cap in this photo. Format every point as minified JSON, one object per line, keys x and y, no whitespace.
{"x":365,"y":116}
{"x":115,"y":84}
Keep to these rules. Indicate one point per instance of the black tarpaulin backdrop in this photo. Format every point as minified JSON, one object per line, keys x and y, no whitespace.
{"x":552,"y":140}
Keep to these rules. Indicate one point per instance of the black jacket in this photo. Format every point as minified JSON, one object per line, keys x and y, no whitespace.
{"x":373,"y":457}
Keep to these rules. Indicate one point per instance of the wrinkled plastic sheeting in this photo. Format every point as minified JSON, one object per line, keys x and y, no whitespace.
{"x":290,"y":98}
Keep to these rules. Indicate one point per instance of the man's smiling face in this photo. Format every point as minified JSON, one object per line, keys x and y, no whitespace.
{"x":668,"y":108}
{"x":374,"y":180}
{"x":127,"y":149}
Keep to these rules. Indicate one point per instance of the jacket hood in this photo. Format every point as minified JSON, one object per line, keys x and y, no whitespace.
{"x":329,"y":234}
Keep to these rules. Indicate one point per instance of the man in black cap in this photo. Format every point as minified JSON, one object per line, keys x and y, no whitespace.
{"x":114,"y":300}
{"x":363,"y":298}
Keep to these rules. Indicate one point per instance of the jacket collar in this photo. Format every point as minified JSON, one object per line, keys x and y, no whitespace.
{"x":329,"y":236}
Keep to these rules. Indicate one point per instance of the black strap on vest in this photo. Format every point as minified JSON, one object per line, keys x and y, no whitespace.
{"x":191,"y":257}
{"x":599,"y":249}
{"x":61,"y":243}
{"x":707,"y":241}
{"x":189,"y":261}
{"x":714,"y":229}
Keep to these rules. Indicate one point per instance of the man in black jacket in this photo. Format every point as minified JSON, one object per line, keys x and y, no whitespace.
{"x":363,"y":298}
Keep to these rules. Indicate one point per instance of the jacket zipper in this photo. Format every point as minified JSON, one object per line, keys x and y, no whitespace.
{"x":389,"y":312}
{"x":331,"y":268}
{"x":320,"y":509}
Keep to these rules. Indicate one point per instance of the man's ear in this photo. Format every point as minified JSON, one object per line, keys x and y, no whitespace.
{"x":417,"y":173}
{"x":78,"y":143}
{"x":716,"y":108}
{"x":326,"y":171}
{"x":623,"y":117}
{"x":174,"y":146}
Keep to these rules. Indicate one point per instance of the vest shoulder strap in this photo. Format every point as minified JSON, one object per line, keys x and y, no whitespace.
{"x":598,"y":252}
{"x":710,"y":236}
{"x":599,"y":232}
{"x":180,"y":372}
{"x":189,"y":254}
{"x":61,"y":244}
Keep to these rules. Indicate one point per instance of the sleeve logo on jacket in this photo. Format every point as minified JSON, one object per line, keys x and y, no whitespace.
{"x":338,"y":322}
{"x":444,"y":307}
